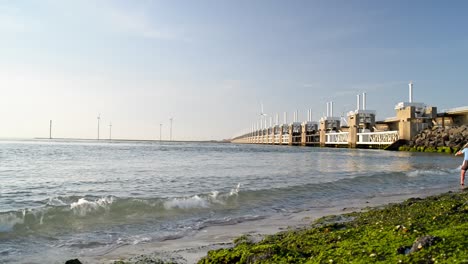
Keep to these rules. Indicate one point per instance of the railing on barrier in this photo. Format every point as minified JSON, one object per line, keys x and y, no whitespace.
{"x":366,"y":138}
{"x":312,"y":138}
{"x":337,"y":138}
{"x":277,"y":139}
{"x":296,"y":139}
{"x":376,"y":138}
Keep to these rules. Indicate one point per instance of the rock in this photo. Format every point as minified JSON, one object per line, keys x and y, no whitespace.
{"x":403,"y":250}
{"x":435,"y":138}
{"x":423,"y":242}
{"x":73,"y":261}
{"x":445,"y":136}
{"x":418,"y":142}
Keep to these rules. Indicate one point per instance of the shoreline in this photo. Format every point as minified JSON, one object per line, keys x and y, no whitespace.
{"x":190,"y":249}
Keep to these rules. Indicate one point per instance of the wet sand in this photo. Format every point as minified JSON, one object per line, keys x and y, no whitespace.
{"x":190,"y":249}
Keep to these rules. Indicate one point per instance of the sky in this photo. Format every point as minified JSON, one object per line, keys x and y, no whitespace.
{"x":211,"y":64}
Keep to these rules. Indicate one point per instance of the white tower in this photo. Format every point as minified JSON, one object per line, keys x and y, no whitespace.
{"x":410,"y":91}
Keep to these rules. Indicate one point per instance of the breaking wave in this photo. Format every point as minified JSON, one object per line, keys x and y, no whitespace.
{"x":62,"y":214}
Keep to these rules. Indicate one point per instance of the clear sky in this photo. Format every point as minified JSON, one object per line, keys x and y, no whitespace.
{"x":209,"y":64}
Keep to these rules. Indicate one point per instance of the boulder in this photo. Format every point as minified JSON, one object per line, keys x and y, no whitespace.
{"x":423,"y":242}
{"x":73,"y":261}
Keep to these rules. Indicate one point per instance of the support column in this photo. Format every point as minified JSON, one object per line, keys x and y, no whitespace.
{"x":353,"y":121}
{"x":290,"y":130}
{"x":352,"y":136}
{"x":322,"y":131}
{"x":304,"y":133}
{"x":281,"y":135}
{"x":404,"y":126}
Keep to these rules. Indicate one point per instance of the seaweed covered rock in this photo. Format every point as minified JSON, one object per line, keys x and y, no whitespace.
{"x":423,"y":242}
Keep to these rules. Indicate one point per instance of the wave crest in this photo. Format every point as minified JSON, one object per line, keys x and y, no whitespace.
{"x":60,"y":214}
{"x":82,"y":207}
{"x":186,"y":203}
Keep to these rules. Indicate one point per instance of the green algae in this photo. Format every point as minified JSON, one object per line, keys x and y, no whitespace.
{"x":378,"y":235}
{"x":447,"y":150}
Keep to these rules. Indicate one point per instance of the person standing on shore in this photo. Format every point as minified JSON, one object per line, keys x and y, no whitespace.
{"x":464,"y":166}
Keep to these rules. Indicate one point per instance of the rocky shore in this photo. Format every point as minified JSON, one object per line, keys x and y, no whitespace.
{"x":430,"y":230}
{"x":439,"y":139}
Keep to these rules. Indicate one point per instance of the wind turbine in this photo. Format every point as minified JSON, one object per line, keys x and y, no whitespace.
{"x":170,"y":135}
{"x":98,"y":120}
{"x":160,"y":132}
{"x":262,"y":114}
{"x":110,"y":131}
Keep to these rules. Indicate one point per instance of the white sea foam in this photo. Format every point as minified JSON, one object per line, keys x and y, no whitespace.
{"x":140,"y":239}
{"x":198,"y":202}
{"x":186,"y":203}
{"x":83,"y":206}
{"x":418,"y":173}
{"x":55,"y":201}
{"x":236,"y":190}
{"x":214,"y":197}
{"x":214,"y":194}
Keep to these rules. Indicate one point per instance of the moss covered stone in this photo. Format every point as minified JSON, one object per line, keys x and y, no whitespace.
{"x":446,"y":150}
{"x":430,"y":230}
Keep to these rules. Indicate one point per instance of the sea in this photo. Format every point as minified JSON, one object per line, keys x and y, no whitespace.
{"x":62,"y":199}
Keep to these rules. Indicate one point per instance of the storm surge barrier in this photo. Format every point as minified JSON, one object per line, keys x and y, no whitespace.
{"x":331,"y":139}
{"x":359,"y":129}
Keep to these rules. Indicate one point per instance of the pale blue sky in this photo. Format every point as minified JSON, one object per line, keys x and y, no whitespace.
{"x":209,"y":64}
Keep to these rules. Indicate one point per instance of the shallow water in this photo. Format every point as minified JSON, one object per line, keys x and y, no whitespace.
{"x":60,"y":199}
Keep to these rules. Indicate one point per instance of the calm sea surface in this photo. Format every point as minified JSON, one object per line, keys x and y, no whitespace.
{"x":68,"y":197}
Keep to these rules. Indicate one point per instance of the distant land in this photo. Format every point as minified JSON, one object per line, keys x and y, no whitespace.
{"x":132,"y":140}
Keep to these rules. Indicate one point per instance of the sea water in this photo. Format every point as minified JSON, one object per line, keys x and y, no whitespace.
{"x":61,"y":199}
